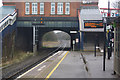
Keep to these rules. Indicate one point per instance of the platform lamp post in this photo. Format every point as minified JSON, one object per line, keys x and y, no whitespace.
{"x":108,"y":22}
{"x":104,"y":54}
{"x":34,"y":44}
{"x":34,"y":40}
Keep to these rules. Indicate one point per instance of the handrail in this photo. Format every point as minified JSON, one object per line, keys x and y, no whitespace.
{"x":7,"y":18}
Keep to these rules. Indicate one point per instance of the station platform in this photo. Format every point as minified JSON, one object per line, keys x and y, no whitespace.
{"x":70,"y":64}
{"x":71,"y":67}
{"x":75,"y":66}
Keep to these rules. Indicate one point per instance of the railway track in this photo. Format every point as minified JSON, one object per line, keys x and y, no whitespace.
{"x":18,"y":73}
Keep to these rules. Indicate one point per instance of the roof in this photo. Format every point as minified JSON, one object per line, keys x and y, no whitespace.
{"x":49,"y":0}
{"x":90,"y":14}
{"x":5,"y":10}
{"x":110,"y":8}
{"x":89,"y":7}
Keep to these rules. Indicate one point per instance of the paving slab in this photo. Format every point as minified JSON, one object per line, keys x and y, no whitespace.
{"x":95,"y":65}
{"x":73,"y":66}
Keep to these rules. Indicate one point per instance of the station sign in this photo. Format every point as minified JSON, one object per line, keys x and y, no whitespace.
{"x":73,"y":32}
{"x":112,"y":14}
{"x":93,"y":24}
{"x":77,"y":40}
{"x":73,"y":42}
{"x":108,"y":27}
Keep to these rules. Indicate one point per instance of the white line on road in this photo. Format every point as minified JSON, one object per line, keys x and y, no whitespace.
{"x":35,"y":66}
{"x":41,"y":68}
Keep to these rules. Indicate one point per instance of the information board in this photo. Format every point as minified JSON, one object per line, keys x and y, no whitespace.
{"x":93,"y":24}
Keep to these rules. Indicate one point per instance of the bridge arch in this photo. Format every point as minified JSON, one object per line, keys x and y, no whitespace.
{"x":55,"y":38}
{"x":41,"y":31}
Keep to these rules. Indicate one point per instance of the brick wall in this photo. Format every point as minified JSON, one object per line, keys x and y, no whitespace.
{"x":47,"y":9}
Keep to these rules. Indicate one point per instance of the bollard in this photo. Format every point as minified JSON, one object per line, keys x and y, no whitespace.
{"x":95,"y":50}
{"x":73,"y":45}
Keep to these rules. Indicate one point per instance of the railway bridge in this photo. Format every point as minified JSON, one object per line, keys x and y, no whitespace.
{"x":35,"y":19}
{"x":32,"y":29}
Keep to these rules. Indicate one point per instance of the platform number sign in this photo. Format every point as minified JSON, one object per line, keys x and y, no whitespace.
{"x":113,"y":15}
{"x":104,"y":14}
{"x":73,"y":42}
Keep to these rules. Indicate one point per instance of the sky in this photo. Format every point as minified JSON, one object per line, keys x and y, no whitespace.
{"x":102,"y":3}
{"x":0,"y":3}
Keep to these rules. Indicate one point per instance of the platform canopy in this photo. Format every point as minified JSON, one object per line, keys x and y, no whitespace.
{"x":92,"y":15}
{"x":6,"y":10}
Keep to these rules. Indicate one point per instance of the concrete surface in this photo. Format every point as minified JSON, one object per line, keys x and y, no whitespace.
{"x":73,"y":66}
{"x":95,"y":65}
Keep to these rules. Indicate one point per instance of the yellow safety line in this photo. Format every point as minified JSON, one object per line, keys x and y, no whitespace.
{"x":56,"y":66}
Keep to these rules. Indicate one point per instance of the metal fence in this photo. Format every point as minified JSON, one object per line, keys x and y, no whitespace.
{"x":117,"y":47}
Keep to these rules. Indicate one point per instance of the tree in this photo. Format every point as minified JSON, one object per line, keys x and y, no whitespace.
{"x":50,"y":36}
{"x":116,"y":4}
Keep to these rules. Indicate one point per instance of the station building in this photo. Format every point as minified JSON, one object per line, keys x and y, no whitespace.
{"x":91,"y":27}
{"x":81,"y":19}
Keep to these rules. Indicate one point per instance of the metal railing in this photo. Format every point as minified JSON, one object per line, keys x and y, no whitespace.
{"x":8,"y":20}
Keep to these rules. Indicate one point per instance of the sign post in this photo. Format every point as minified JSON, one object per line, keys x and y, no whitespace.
{"x":104,"y":54}
{"x":73,"y":45}
{"x":95,"y":46}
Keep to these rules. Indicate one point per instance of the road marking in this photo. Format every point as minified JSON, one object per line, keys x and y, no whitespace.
{"x":41,"y":68}
{"x":56,"y":66}
{"x":35,"y":67}
{"x":63,"y":54}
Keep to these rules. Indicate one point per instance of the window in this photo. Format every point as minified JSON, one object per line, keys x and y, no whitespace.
{"x":41,"y":8}
{"x":27,"y":7}
{"x":60,"y":8}
{"x":52,"y":8}
{"x":67,"y":8}
{"x":34,"y":8}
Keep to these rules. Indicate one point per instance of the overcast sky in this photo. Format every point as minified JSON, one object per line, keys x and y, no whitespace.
{"x":102,"y":3}
{"x":0,"y":3}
